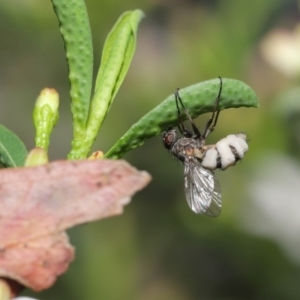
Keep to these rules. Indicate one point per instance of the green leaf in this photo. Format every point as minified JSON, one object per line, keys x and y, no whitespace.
{"x":75,"y":29}
{"x":12,"y":150}
{"x":116,"y":58}
{"x":198,"y":99}
{"x":117,"y":53}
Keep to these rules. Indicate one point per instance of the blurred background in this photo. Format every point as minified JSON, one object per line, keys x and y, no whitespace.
{"x":159,"y":249}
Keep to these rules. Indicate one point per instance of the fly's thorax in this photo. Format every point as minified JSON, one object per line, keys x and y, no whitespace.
{"x":186,"y":147}
{"x":226,"y":152}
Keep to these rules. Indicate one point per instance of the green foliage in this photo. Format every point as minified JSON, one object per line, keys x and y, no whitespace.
{"x":198,"y":99}
{"x":75,"y":30}
{"x":116,"y":58}
{"x":88,"y":115}
{"x":12,"y":150}
{"x":45,"y":117}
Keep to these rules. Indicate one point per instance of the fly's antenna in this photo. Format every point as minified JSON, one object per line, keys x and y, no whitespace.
{"x":212,"y":122}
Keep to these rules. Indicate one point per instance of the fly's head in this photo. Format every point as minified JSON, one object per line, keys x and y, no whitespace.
{"x":169,"y":138}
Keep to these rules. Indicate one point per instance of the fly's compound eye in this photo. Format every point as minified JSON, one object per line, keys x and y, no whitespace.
{"x":169,"y":138}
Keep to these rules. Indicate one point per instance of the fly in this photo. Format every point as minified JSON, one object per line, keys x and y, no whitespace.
{"x":202,"y":188}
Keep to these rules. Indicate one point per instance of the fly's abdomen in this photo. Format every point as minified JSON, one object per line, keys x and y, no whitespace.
{"x":226,"y":152}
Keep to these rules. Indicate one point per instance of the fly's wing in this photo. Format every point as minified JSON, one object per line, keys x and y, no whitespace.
{"x":202,"y":189}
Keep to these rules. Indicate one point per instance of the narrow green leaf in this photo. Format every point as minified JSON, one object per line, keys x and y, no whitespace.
{"x":198,"y":99}
{"x":12,"y":150}
{"x":118,"y":51}
{"x":76,"y":33}
{"x":116,"y":58}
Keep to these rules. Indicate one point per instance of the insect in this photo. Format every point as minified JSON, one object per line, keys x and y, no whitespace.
{"x":202,"y":188}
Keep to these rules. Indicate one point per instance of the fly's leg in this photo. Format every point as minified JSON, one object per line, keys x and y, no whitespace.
{"x":212,"y":122}
{"x":184,"y":131}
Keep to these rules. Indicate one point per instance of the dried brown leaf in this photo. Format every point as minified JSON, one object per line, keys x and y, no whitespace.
{"x":39,"y":203}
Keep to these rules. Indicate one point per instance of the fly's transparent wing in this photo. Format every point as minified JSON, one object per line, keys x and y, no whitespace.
{"x":202,"y":189}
